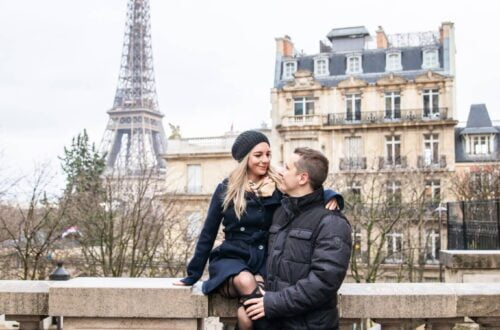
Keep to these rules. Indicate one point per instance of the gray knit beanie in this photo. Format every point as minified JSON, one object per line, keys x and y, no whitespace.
{"x":245,"y":142}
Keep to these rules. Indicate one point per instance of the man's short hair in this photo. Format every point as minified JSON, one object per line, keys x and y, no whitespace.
{"x":314,"y":163}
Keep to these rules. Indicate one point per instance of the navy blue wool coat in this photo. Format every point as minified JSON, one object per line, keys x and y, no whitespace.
{"x":245,"y":243}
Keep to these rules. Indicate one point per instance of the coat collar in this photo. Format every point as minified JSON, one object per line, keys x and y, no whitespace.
{"x":293,"y":206}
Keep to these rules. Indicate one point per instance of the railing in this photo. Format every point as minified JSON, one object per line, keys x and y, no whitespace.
{"x":392,"y":163}
{"x":302,"y":120}
{"x":431,"y":163}
{"x":352,"y":164}
{"x":474,"y":225}
{"x":386,"y":116}
{"x":147,"y":303}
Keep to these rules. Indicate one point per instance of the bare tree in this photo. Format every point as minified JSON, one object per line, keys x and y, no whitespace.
{"x":481,"y":183}
{"x":32,"y":227}
{"x":122,"y":226}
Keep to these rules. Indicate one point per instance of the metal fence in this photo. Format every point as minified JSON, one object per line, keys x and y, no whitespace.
{"x":474,"y":225}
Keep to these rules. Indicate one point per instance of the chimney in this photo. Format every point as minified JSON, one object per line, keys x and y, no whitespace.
{"x":445,"y":30}
{"x":382,"y":41}
{"x":284,"y":46}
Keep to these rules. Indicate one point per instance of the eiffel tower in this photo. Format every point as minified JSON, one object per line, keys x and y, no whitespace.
{"x":134,"y":138}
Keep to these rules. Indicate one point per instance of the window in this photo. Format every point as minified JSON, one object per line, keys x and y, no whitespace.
{"x":393,"y":150}
{"x":193,"y":224}
{"x":354,"y":64}
{"x":392,"y":105}
{"x":193,"y":179}
{"x":394,"y":248}
{"x":433,"y":190}
{"x":480,"y":145}
{"x":357,"y":239}
{"x":321,"y":66}
{"x":289,"y":68}
{"x":430,"y":59}
{"x":353,"y":107}
{"x":354,"y":152}
{"x":431,"y":103}
{"x":433,"y":245}
{"x":393,"y":62}
{"x":355,"y":190}
{"x":303,"y":106}
{"x":394,"y":192}
{"x":431,"y":149}
{"x":482,"y":180}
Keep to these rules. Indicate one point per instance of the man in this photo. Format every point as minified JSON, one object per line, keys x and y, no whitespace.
{"x":309,"y":251}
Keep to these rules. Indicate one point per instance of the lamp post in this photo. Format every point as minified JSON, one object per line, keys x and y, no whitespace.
{"x":438,"y":210}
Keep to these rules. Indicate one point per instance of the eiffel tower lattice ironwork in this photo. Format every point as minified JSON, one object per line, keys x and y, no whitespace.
{"x":134,"y":138}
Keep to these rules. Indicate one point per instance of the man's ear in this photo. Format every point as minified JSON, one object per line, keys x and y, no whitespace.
{"x":304,"y":178}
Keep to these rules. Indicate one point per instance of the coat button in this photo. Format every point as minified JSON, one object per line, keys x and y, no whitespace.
{"x":261,"y":247}
{"x":242,"y":229}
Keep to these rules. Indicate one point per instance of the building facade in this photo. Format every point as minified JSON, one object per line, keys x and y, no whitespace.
{"x":382,"y":109}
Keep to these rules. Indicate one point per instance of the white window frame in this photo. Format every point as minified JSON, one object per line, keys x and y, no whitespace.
{"x":394,"y":189}
{"x":352,"y":98}
{"x":349,"y":68}
{"x":193,"y":183}
{"x":305,"y":100}
{"x":193,"y":227}
{"x":432,"y":244}
{"x":354,"y":151}
{"x":317,"y":67}
{"x":288,"y":74}
{"x":395,"y":114}
{"x":432,"y":93}
{"x":433,"y":141}
{"x":391,"y":241}
{"x":389,"y":65}
{"x":434,"y":186}
{"x":483,"y":146}
{"x":430,"y":58}
{"x":392,"y":142}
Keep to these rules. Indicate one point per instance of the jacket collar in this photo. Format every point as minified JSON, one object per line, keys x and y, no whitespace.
{"x":293,"y":206}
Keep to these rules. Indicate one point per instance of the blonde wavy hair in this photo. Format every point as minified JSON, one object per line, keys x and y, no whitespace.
{"x":237,"y":185}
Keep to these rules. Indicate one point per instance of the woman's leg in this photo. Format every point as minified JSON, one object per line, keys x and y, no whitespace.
{"x":241,"y":285}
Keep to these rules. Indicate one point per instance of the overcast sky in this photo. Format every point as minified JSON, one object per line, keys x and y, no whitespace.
{"x":214,"y":61}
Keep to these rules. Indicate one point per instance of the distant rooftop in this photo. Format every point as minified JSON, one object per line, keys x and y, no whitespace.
{"x":354,"y":31}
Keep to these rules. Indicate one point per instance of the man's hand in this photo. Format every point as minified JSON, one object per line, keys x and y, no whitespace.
{"x":255,"y":308}
{"x":332,"y":204}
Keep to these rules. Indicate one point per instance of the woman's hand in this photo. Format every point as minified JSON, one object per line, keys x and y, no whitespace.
{"x":332,"y":205}
{"x":180,"y":283}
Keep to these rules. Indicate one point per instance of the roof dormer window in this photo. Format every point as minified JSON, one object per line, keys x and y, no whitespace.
{"x":321,"y":66}
{"x":430,"y":59}
{"x":354,"y":64}
{"x":289,"y":68}
{"x":393,"y":61}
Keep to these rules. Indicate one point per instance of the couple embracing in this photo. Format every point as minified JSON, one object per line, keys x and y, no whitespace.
{"x":287,"y":245}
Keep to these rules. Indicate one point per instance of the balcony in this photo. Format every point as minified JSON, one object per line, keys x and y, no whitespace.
{"x":304,"y":120}
{"x":352,"y":164}
{"x":431,"y":163}
{"x":154,"y":303}
{"x":383,"y":116}
{"x":392,"y":163}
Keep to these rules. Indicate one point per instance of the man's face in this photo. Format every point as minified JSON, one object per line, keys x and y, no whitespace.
{"x":292,"y":180}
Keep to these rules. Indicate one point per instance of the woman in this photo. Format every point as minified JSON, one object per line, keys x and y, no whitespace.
{"x":245,"y":203}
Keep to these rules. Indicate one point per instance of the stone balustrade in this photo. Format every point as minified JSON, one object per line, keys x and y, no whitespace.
{"x":154,"y":303}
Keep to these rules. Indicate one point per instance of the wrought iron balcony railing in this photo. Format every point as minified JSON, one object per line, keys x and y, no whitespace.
{"x":431,"y":162}
{"x":349,"y":164}
{"x":387,"y":116}
{"x":392,"y":163}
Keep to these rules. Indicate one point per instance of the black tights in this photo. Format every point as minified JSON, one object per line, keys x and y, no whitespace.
{"x":243,"y":286}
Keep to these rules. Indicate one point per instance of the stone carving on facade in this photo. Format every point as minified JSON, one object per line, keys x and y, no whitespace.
{"x":304,"y":80}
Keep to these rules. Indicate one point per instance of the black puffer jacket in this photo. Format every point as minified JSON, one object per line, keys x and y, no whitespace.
{"x":309,"y":251}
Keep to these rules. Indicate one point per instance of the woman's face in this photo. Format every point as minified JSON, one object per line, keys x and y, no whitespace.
{"x":258,"y":161}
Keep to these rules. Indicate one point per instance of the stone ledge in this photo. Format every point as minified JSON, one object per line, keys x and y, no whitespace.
{"x":470,"y":259}
{"x":126,"y":298}
{"x":24,"y":297}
